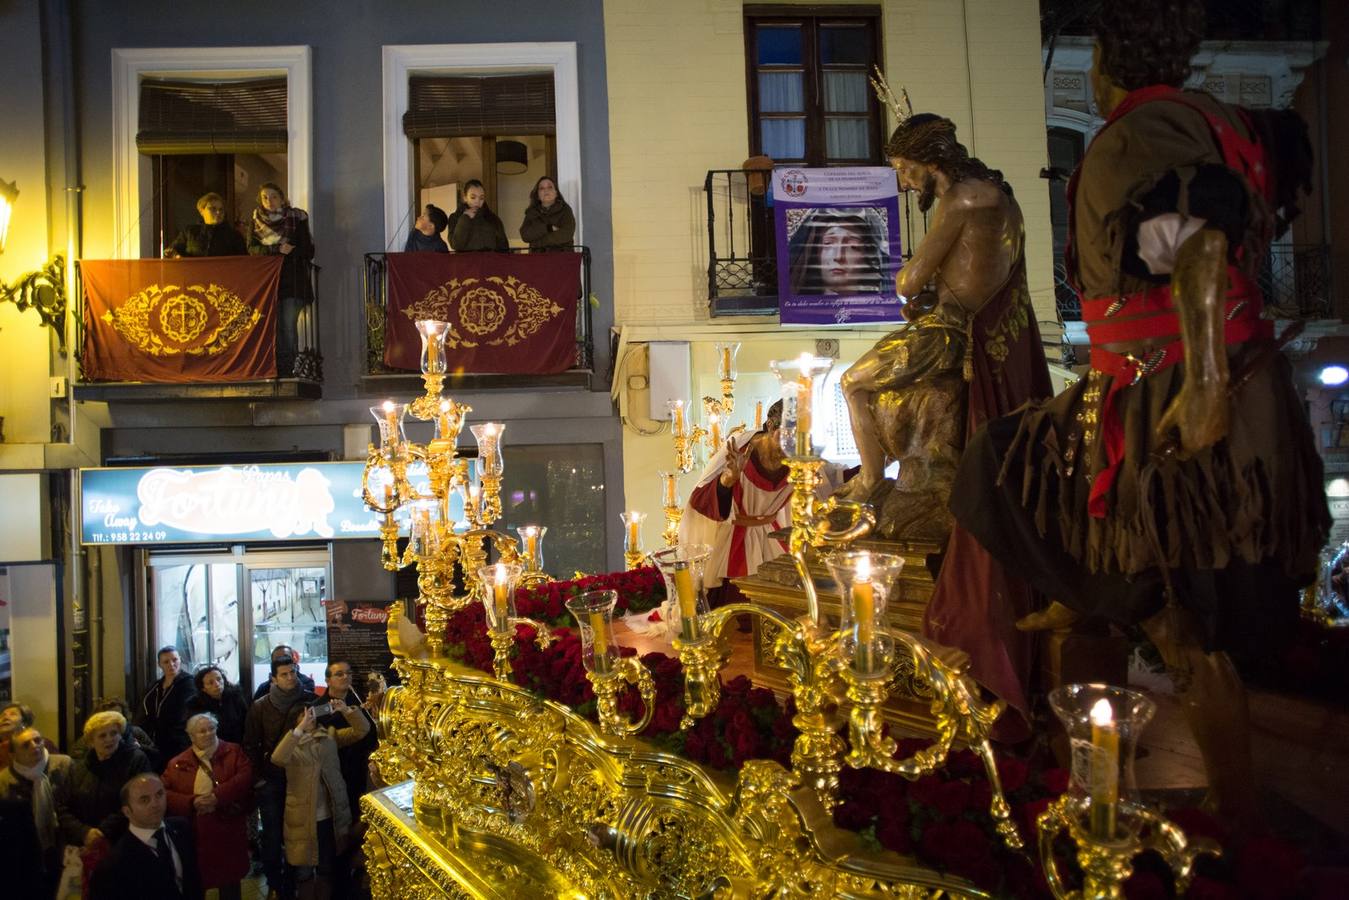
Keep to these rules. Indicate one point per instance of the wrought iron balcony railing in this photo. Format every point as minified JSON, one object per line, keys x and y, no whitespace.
{"x":1295,"y":281}
{"x":375,"y":286}
{"x":742,"y":272}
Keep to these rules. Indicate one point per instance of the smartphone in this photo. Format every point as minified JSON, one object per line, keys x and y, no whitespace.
{"x":323,"y":709}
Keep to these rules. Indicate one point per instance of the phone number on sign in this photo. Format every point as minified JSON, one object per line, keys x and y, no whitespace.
{"x":127,"y":537}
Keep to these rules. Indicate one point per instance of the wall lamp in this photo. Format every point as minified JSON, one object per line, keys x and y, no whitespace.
{"x":9,"y":192}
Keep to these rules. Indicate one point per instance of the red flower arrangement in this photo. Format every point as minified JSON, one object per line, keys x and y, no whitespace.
{"x":942,"y":819}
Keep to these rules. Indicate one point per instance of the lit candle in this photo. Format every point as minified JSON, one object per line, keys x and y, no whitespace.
{"x":388,"y":496}
{"x":758,"y":414}
{"x":531,"y":545}
{"x":634,"y":530}
{"x":474,"y":501}
{"x":803,"y":412}
{"x":678,"y":418}
{"x":687,"y":599}
{"x":391,"y":421}
{"x":725,"y":361}
{"x":500,"y":583}
{"x":601,"y":640}
{"x":714,"y":426}
{"x":1104,"y":770}
{"x":432,"y":347}
{"x":864,"y":612}
{"x":671,"y":499}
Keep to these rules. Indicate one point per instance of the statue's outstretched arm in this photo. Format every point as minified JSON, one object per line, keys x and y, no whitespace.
{"x":1198,"y":286}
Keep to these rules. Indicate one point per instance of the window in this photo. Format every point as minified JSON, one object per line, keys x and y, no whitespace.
{"x":810,"y":101}
{"x":1066,"y":146}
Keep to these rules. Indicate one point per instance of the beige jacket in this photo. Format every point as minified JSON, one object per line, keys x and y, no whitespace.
{"x":311,"y":763}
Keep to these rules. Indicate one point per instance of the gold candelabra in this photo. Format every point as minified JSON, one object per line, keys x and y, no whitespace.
{"x":674,"y":510}
{"x":607,"y":671}
{"x":421,"y":479}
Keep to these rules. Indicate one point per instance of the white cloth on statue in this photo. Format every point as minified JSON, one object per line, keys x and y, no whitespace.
{"x":750,"y":500}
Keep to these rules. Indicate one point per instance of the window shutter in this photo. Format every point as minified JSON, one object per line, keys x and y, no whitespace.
{"x":479,"y":106}
{"x":178,"y":117}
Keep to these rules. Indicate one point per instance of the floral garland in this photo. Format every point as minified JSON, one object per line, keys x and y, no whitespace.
{"x":942,"y":819}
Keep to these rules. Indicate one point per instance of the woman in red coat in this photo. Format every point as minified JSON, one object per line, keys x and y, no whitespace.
{"x":211,"y":783}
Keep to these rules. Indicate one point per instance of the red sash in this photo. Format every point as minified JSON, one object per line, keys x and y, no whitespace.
{"x":1243,"y":300}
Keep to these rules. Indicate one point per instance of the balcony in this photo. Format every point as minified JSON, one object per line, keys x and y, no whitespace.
{"x":380,"y":379}
{"x":304,"y":383}
{"x":742,"y":271}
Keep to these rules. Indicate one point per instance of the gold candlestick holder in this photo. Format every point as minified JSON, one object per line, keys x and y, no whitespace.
{"x":633,"y":554}
{"x":499,"y":583}
{"x":608,"y":672}
{"x":531,"y":555}
{"x":670,"y":505}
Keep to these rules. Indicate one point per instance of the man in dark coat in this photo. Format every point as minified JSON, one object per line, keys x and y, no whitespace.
{"x":156,"y":858}
{"x":354,"y":758}
{"x":281,"y":651}
{"x":213,"y":237}
{"x":30,"y":834}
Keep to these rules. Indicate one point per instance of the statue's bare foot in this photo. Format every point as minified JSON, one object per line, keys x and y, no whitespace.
{"x":1055,"y":617}
{"x":859,"y":488}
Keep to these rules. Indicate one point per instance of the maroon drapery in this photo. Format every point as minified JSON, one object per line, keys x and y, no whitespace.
{"x":180,"y":320}
{"x":508,"y":313}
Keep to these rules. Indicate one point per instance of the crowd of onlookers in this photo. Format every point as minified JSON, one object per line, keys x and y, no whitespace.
{"x":276,"y":228}
{"x":193,"y":790}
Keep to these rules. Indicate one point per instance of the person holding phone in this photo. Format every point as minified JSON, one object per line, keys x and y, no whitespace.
{"x":318,"y":826}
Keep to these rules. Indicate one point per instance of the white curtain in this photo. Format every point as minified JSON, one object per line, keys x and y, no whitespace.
{"x":784,"y":138}
{"x":846,"y":138}
{"x":781,"y":92}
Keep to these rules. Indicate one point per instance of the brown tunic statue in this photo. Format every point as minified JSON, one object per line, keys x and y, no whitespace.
{"x":970,"y":352}
{"x":1177,"y":487}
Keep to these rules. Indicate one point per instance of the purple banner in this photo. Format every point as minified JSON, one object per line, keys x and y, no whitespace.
{"x":837,"y":245}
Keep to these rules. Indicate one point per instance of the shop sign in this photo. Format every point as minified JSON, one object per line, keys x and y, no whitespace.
{"x":214,"y":504}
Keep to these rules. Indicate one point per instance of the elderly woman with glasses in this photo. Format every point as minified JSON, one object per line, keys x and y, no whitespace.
{"x":211,"y":783}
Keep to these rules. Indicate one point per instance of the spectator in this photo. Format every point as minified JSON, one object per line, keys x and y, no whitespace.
{"x":13,"y":716}
{"x":163,"y":712}
{"x":263,"y":729}
{"x":30,"y":839}
{"x":425,"y":234}
{"x":211,"y":785}
{"x":215,"y":695}
{"x":154,"y":859}
{"x":549,"y":222}
{"x":213,"y":237}
{"x":89,"y":803}
{"x":134,"y":734}
{"x":318,"y":818}
{"x":280,"y":229}
{"x":474,"y":226}
{"x":282,"y":651}
{"x":354,"y":758}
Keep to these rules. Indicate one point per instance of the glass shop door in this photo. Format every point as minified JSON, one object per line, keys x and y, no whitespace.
{"x":232,"y":608}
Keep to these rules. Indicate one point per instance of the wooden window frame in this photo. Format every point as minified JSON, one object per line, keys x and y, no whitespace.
{"x":811,"y":19}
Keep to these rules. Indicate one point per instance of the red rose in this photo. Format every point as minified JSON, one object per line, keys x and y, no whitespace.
{"x":852,"y":815}
{"x":963,"y":764}
{"x":1197,"y":823}
{"x":959,"y":846}
{"x":892,"y":828}
{"x":1028,"y":815}
{"x":1269,"y":868}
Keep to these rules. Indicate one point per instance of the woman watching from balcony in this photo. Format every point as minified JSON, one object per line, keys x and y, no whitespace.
{"x":474,"y":226}
{"x":549,"y":223}
{"x":280,"y":229}
{"x":213,"y":237}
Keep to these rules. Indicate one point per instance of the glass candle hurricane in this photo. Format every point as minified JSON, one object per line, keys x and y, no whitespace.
{"x":865,"y":581}
{"x":669,"y":492}
{"x":390,"y":415}
{"x":726,"y":353}
{"x":594,"y":612}
{"x":682,"y":567}
{"x":632,"y":530}
{"x":433,"y":346}
{"x":678,"y":424}
{"x":1103,"y":724}
{"x":424,"y":529}
{"x":802,"y":381}
{"x":531,"y":546}
{"x":499,"y":582}
{"x":488,"y":436}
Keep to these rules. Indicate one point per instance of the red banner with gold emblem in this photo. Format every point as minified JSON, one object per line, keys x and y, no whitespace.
{"x":507,"y":313}
{"x":180,"y":320}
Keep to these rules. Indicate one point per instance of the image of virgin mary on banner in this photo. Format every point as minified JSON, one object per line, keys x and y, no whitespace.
{"x":837,"y":245}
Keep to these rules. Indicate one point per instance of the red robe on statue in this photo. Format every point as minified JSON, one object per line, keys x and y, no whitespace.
{"x":976,"y":602}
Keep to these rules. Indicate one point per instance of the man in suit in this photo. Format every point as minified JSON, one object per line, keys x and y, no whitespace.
{"x":156,"y":858}
{"x":30,"y":838}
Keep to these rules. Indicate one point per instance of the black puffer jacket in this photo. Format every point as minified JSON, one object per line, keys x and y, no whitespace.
{"x":91,"y":795}
{"x":230,"y":711}
{"x":483,"y":231}
{"x":551,"y":228}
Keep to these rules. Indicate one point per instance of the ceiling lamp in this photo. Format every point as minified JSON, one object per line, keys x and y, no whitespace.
{"x":9,"y":192}
{"x":512,"y":158}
